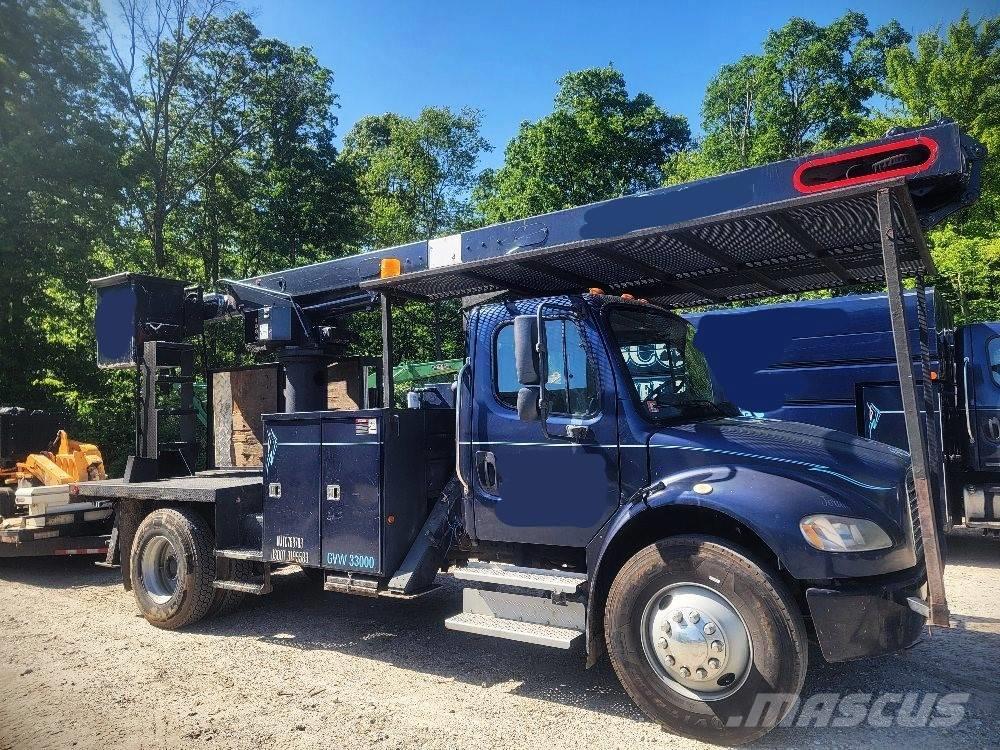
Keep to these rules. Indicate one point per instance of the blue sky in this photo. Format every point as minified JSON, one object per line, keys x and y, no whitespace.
{"x":504,"y":57}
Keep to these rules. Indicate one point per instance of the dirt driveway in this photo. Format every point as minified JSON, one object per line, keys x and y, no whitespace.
{"x":303,"y":669}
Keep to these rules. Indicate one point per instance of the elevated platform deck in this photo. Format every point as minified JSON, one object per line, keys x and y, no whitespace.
{"x":204,"y":487}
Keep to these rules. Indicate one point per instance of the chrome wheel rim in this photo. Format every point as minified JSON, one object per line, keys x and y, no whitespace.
{"x":159,"y":565}
{"x":696,"y":641}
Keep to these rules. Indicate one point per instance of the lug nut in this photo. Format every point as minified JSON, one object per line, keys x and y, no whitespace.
{"x":666,"y":628}
{"x":709,"y":628}
{"x":677,"y":616}
{"x":694,"y":616}
{"x":670,"y":660}
{"x":664,"y":643}
{"x":701,"y":673}
{"x":685,"y":672}
{"x":713,"y":663}
{"x":717,"y":645}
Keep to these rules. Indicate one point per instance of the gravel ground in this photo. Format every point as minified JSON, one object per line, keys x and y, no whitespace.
{"x":303,"y":669}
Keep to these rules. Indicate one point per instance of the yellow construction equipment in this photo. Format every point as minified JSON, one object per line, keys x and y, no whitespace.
{"x":65,"y":462}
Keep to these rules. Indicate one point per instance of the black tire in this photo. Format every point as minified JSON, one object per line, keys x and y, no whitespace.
{"x":166,"y":601}
{"x":770,"y":616}
{"x":227,"y":601}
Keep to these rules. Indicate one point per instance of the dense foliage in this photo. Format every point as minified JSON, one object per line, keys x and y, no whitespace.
{"x":598,"y":143}
{"x":174,"y":138}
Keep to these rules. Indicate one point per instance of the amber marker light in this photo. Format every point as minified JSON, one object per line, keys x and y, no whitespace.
{"x":390,"y":267}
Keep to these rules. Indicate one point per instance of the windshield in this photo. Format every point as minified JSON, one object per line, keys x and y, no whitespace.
{"x":670,"y":376}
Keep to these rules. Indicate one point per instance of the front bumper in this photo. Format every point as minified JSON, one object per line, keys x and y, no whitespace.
{"x":868,"y":618}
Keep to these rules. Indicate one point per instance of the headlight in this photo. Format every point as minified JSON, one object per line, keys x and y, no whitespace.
{"x":839,"y":534}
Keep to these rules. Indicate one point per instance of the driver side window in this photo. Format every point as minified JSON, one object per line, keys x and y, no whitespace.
{"x":572,"y":385}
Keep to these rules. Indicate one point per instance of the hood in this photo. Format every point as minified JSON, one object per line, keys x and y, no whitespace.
{"x":845,"y":466}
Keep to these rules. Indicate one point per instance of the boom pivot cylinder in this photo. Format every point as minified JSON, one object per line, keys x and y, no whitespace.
{"x":305,"y":379}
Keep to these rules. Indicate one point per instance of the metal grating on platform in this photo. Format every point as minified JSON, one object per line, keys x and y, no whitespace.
{"x":819,"y":241}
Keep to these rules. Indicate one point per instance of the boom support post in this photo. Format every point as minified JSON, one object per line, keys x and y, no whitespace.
{"x":915,"y":433}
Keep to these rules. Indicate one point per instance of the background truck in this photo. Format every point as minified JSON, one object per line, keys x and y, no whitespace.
{"x":38,"y":515}
{"x":831,"y":363}
{"x":700,"y":549}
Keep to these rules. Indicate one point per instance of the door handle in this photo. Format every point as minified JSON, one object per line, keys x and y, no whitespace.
{"x":993,"y":428}
{"x":968,"y":400}
{"x":579,"y":433}
{"x":489,"y":480}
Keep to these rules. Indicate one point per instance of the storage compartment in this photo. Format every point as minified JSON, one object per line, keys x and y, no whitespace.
{"x":350,"y":490}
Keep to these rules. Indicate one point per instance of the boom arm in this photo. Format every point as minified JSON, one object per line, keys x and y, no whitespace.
{"x":937,"y":166}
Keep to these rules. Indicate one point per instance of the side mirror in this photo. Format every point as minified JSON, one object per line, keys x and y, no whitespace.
{"x":526,"y":351}
{"x":527,"y":403}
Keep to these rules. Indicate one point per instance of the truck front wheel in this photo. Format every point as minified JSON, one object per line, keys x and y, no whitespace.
{"x":172,"y":567}
{"x":706,"y":642}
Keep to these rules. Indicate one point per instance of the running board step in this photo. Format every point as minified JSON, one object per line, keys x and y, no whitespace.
{"x":514,"y":630}
{"x":240,"y":554}
{"x":245,"y":587}
{"x":504,"y":574}
{"x":518,"y":617}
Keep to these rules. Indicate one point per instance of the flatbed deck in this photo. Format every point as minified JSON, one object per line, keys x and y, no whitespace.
{"x":204,"y":487}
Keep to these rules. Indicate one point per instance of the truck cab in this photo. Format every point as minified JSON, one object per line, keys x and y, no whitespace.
{"x":977,"y":364}
{"x":591,"y":436}
{"x":829,"y":362}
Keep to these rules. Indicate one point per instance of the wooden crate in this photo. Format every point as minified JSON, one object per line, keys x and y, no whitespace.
{"x":239,"y":397}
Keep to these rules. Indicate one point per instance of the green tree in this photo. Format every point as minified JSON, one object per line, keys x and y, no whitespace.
{"x":59,"y":198}
{"x":154,"y":47}
{"x":415,"y":176}
{"x":809,"y":88}
{"x":956,"y":74}
{"x":597,"y":143}
{"x":261,"y":185}
{"x":303,"y":200}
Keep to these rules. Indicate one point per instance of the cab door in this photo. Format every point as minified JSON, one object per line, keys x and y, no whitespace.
{"x":980,"y":375}
{"x":528,"y":487}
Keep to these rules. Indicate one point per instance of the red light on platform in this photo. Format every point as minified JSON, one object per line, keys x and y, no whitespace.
{"x":871,"y":164}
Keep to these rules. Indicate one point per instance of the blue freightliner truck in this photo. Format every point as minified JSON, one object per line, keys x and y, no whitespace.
{"x":831,"y":363}
{"x":588,"y":483}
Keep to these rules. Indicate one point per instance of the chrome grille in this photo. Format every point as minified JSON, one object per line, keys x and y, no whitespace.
{"x":911,"y":502}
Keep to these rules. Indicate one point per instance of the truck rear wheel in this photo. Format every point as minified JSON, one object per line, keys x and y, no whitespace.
{"x":705,"y":641}
{"x":172,"y":567}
